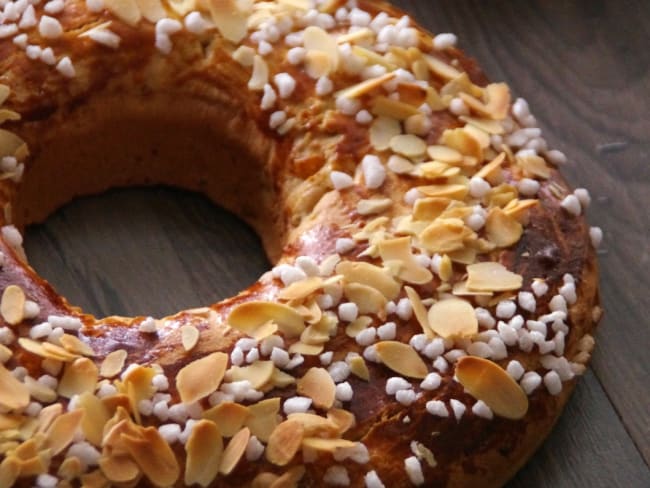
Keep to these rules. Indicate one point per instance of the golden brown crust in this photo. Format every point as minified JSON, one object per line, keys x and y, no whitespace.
{"x":130,"y":115}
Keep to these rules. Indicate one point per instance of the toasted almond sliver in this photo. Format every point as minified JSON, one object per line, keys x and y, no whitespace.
{"x":118,"y":469}
{"x":249,"y":316}
{"x":189,"y":337}
{"x":429,"y":208}
{"x":301,"y":289}
{"x":460,"y":289}
{"x":488,"y":382}
{"x":137,"y":386}
{"x":152,"y":10}
{"x":317,"y":39}
{"x":125,"y":10}
{"x":62,"y":430}
{"x":284,"y":442}
{"x":229,"y":417}
{"x":489,"y":171}
{"x":502,"y":229}
{"x":343,"y":419}
{"x":400,"y":165}
{"x":399,"y":249}
{"x":373,"y":206}
{"x":357,"y":325}
{"x":39,"y":391}
{"x":9,"y":468}
{"x":454,"y":191}
{"x":463,"y":142}
{"x":318,"y":385}
{"x":201,"y":377}
{"x":419,"y":310}
{"x":12,"y":306}
{"x":365,"y":86}
{"x":113,"y":363}
{"x":490,"y":276}
{"x":4,"y":93}
{"x":230,"y":20}
{"x":359,"y":368}
{"x":263,"y":418}
{"x":382,"y":130}
{"x":260,"y":76}
{"x":258,"y":373}
{"x":327,"y":445}
{"x":154,"y":456}
{"x":52,"y":351}
{"x":78,"y":377}
{"x":95,"y":418}
{"x":487,"y":125}
{"x":441,"y":68}
{"x":534,"y":166}
{"x":14,"y":395}
{"x":314,"y":425}
{"x":204,"y":449}
{"x":402,"y":359}
{"x":234,"y":451}
{"x":76,"y":346}
{"x":408,"y":145}
{"x":370,"y":275}
{"x":453,"y":318}
{"x":10,"y":143}
{"x":387,"y":107}
{"x":444,"y":235}
{"x":368,"y":300}
{"x":306,"y":349}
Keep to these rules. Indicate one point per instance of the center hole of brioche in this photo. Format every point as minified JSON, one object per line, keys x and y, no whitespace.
{"x":145,"y":251}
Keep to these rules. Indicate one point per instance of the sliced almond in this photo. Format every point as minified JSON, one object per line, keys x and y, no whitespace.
{"x":70,"y":469}
{"x":454,"y":191}
{"x":486,"y":125}
{"x":373,"y":206}
{"x":463,"y":142}
{"x":327,"y":445}
{"x":230,"y":19}
{"x":234,"y":451}
{"x":284,"y":442}
{"x":4,"y":93}
{"x":118,"y":469}
{"x":78,"y":377}
{"x":40,"y":392}
{"x":125,"y":10}
{"x":402,"y":359}
{"x":534,"y":166}
{"x":318,"y":385}
{"x":366,"y":86}
{"x":408,"y":145}
{"x":244,"y":55}
{"x":301,"y":289}
{"x":306,"y":349}
{"x":490,"y":276}
{"x":488,"y":382}
{"x":373,"y":58}
{"x":359,"y":368}
{"x":317,"y":40}
{"x":453,"y":318}
{"x":229,"y":417}
{"x":382,"y":131}
{"x":113,"y":363}
{"x":343,"y":419}
{"x":491,"y":171}
{"x":95,"y":418}
{"x":204,"y":449}
{"x":368,"y":300}
{"x":76,"y":346}
{"x":9,"y":468}
{"x":502,"y":229}
{"x":357,"y":325}
{"x":518,"y":209}
{"x":419,"y":310}
{"x":250,"y":316}
{"x":263,"y":418}
{"x":62,"y":431}
{"x":430,"y":208}
{"x":138,"y":386}
{"x":444,"y":235}
{"x":11,"y":144}
{"x":189,"y":337}
{"x":370,"y":275}
{"x":400,"y":165}
{"x":154,"y":456}
{"x":260,"y":75}
{"x":52,"y":351}
{"x":258,"y":373}
{"x":12,"y":305}
{"x":14,"y":395}
{"x":441,"y":69}
{"x":280,"y":379}
{"x":497,"y":102}
{"x":201,"y":377}
{"x":314,"y":425}
{"x":152,"y":10}
{"x":387,"y":107}
{"x":399,"y":249}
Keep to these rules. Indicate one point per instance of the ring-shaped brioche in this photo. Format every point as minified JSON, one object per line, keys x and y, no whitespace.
{"x":435,"y":286}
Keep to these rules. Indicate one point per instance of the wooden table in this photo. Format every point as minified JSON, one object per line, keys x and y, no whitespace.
{"x":584,"y":66}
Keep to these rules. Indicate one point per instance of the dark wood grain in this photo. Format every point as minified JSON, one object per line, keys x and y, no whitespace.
{"x":584,"y":67}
